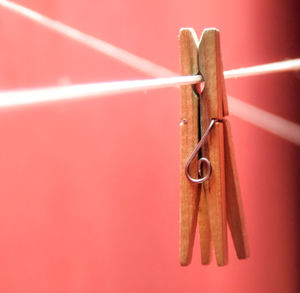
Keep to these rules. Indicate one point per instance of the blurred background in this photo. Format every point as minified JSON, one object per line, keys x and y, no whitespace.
{"x":89,"y":190}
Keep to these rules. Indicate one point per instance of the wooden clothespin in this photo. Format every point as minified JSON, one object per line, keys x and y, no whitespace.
{"x":217,"y":199}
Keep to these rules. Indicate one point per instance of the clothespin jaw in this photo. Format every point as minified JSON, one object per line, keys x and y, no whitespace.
{"x":214,"y":102}
{"x":218,"y":199}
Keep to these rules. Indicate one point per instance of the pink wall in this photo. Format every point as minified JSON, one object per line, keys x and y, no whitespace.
{"x":89,"y":189}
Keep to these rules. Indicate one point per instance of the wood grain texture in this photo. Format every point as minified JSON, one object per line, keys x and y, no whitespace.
{"x":211,"y":68}
{"x":235,"y":212}
{"x":212,"y":106}
{"x":214,"y":190}
{"x":189,"y":192}
{"x":204,"y":229}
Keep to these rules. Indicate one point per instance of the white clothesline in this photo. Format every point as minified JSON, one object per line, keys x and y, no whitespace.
{"x":275,"y":67}
{"x":42,"y":95}
{"x":274,"y":124}
{"x":279,"y":126}
{"x":136,"y":62}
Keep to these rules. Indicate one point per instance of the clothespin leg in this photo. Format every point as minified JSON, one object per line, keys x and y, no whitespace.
{"x":235,"y":213}
{"x":204,"y":230}
{"x":214,"y":189}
